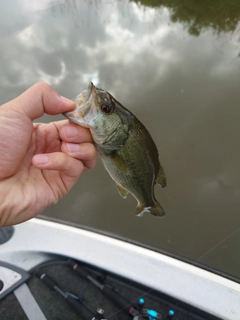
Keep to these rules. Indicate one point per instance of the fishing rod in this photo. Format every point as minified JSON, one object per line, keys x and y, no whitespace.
{"x":110,"y":292}
{"x":73,"y":300}
{"x":138,"y":312}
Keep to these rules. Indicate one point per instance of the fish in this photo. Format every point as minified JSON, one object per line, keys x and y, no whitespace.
{"x":125,"y":146}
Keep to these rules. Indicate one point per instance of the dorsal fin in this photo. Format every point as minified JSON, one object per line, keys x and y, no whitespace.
{"x":161,"y":177}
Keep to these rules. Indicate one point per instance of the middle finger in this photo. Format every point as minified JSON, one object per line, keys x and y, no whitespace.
{"x":75,"y":134}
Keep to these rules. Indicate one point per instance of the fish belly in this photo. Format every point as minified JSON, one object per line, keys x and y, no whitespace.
{"x":132,"y":169}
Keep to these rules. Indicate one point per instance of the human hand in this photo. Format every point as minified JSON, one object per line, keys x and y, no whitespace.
{"x":39,"y":163}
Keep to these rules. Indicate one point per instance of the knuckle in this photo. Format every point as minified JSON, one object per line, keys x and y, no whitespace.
{"x":42,"y":85}
{"x":91,"y":151}
{"x":59,"y":160}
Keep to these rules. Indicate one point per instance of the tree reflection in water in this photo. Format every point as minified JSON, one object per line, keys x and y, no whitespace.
{"x":221,"y":15}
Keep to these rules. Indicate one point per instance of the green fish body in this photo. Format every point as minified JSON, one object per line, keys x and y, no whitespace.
{"x":125,"y":146}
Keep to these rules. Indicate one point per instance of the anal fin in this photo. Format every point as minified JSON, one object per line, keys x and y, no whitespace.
{"x":122,"y":191}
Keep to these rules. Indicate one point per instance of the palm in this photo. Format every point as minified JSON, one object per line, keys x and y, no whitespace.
{"x":47,"y":184}
{"x":30,"y":183}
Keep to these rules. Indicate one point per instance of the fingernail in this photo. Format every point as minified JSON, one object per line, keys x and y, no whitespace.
{"x":71,"y":131}
{"x":41,"y":159}
{"x":73,"y":147}
{"x":67,"y":100}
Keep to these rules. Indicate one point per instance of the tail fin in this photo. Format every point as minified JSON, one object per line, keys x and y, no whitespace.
{"x":155,"y":210}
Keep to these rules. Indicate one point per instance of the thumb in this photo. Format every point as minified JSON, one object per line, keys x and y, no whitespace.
{"x":40,"y":99}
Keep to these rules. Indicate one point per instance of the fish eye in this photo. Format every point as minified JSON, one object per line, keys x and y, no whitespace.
{"x":106,"y":108}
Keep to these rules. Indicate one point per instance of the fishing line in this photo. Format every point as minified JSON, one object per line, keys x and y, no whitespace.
{"x":217,"y":244}
{"x":130,"y":302}
{"x":126,"y":307}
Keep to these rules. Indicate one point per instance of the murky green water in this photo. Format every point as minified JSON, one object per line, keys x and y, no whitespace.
{"x":177,"y":68}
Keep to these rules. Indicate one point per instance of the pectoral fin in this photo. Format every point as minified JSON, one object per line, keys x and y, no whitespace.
{"x":119,"y":162}
{"x":122,"y":191}
{"x":161,"y":178}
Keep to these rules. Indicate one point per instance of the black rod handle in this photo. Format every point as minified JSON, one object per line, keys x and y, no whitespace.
{"x":119,"y":300}
{"x":80,"y":308}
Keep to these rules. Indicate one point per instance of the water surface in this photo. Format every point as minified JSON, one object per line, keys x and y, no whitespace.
{"x":177,"y":68}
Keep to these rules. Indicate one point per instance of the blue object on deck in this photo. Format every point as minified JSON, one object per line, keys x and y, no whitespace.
{"x":170,"y":315}
{"x":152,"y":315}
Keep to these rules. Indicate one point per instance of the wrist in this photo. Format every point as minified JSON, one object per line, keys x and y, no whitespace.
{"x":12,"y":205}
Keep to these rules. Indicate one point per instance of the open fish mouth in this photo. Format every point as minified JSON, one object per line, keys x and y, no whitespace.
{"x":82,"y":113}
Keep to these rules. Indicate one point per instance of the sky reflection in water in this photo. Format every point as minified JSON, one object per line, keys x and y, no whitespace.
{"x":183,"y":87}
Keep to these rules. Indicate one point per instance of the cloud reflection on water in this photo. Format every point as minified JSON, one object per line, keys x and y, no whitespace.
{"x":184,"y":88}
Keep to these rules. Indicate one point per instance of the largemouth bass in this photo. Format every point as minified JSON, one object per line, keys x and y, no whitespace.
{"x":125,"y":146}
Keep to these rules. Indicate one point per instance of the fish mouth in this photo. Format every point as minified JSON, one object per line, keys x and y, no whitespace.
{"x":81,"y":113}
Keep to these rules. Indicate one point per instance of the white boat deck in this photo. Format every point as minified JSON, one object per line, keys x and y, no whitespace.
{"x":34,"y":240}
